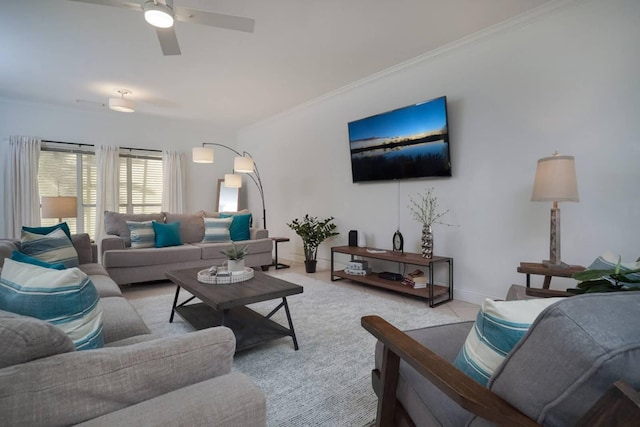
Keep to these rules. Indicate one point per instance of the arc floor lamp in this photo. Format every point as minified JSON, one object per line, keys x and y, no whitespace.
{"x":242,"y":163}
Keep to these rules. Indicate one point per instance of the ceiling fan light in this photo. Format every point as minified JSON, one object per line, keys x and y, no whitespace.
{"x":122,"y":105}
{"x":158,"y":15}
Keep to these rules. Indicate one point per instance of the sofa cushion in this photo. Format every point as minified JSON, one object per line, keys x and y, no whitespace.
{"x":20,"y":257}
{"x":105,"y":286}
{"x":53,"y":248}
{"x":498,"y":328}
{"x":46,"y":230}
{"x":141,"y":234}
{"x":167,"y":234}
{"x":217,"y":230}
{"x":116,"y":223}
{"x":240,"y":225}
{"x":65,"y":298}
{"x":151,"y":256}
{"x":208,"y":214}
{"x":26,"y":338}
{"x":84,"y":247}
{"x":191,"y":226}
{"x":121,"y":320}
{"x":212,"y":250}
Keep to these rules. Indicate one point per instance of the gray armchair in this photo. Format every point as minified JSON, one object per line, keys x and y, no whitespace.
{"x":571,"y":356}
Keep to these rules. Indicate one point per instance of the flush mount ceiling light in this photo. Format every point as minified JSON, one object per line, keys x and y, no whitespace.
{"x":120,"y":104}
{"x":158,"y":14}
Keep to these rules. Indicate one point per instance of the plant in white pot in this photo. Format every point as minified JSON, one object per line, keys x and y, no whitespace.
{"x":235,"y":257}
{"x":312,"y":232}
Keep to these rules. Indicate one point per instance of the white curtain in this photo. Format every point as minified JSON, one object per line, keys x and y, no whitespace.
{"x":173,"y":182}
{"x":108,"y":191}
{"x":21,"y":198}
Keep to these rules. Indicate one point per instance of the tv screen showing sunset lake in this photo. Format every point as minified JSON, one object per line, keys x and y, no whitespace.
{"x":410,"y":142}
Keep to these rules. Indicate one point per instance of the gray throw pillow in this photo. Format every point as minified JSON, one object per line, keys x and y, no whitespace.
{"x":26,"y":338}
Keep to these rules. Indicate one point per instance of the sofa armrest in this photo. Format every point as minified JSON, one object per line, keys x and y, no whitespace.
{"x":229,"y":400}
{"x":111,"y":242}
{"x":258,"y":233}
{"x":82,"y":244}
{"x":91,"y":383}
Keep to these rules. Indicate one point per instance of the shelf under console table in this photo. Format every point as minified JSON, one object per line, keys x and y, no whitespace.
{"x":430,"y":293}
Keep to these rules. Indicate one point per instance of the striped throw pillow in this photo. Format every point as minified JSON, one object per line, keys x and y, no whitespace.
{"x":53,"y":248}
{"x":217,"y":230}
{"x":65,"y":298}
{"x":498,"y":328}
{"x":142,"y":234}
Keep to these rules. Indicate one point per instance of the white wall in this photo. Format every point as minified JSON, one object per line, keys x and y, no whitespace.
{"x":562,"y":78}
{"x":130,"y":130}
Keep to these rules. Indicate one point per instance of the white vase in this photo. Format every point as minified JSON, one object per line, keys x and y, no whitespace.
{"x":235,"y":264}
{"x":362,"y":240}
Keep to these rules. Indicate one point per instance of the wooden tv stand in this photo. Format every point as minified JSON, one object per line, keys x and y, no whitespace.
{"x":431,"y":292}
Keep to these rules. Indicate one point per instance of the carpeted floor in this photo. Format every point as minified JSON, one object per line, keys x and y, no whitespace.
{"x":328,"y":381}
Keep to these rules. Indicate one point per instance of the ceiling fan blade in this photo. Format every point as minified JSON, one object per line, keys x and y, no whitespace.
{"x":168,"y":41}
{"x":114,"y":3}
{"x":213,"y":19}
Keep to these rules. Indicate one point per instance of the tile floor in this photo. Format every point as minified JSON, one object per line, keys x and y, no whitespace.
{"x":461,"y":309}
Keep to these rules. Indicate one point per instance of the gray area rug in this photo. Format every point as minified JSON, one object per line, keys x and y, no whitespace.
{"x":328,"y":381}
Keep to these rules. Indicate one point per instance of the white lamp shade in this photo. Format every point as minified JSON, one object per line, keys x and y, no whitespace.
{"x":555,"y":180}
{"x":122,"y":105}
{"x":243,"y":164}
{"x":59,"y":207}
{"x":158,"y":15}
{"x":202,"y":155}
{"x":232,"y":180}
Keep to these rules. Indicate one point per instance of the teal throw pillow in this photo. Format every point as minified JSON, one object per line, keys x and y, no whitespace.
{"x":167,"y":234}
{"x":53,"y":248}
{"x":217,"y":230}
{"x":239,"y":229}
{"x":498,"y":328}
{"x":142,"y":234}
{"x":20,"y":257}
{"x":46,"y":230}
{"x":67,"y":299}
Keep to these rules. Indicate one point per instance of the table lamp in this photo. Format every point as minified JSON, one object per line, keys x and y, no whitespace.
{"x":555,"y":182}
{"x":59,"y":207}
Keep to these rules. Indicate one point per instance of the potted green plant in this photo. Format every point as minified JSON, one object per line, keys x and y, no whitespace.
{"x":312,"y":231}
{"x":235,"y":257}
{"x":610,"y":280}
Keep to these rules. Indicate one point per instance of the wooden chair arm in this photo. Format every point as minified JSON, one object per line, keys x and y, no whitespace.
{"x":451,"y":381}
{"x":547,"y":293}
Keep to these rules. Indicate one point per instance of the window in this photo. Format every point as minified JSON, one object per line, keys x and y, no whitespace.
{"x":67,"y":173}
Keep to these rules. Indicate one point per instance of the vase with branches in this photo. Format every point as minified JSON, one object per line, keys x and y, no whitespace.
{"x":425,"y":211}
{"x":313,"y":232}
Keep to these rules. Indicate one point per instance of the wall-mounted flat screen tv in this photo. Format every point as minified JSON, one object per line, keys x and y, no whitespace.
{"x":410,"y":142}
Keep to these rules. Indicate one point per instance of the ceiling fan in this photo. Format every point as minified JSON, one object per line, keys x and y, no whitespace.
{"x":161,"y":14}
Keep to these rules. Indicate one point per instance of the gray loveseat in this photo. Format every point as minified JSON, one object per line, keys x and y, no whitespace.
{"x":126,"y":265}
{"x":570,"y":357}
{"x":136,"y":379}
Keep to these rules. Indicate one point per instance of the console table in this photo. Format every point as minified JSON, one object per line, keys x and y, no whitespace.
{"x":431,"y":292}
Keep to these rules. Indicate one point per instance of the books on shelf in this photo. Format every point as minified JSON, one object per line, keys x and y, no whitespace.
{"x":416,"y":279}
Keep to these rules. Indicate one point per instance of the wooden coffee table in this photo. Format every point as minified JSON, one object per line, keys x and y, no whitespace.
{"x":225,"y":305}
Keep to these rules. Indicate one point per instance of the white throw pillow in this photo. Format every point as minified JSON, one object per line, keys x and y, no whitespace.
{"x":53,"y":248}
{"x":142,"y":234}
{"x":217,"y":230}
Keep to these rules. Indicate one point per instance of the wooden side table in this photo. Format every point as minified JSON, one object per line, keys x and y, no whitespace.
{"x":530,"y":268}
{"x":277,"y":240}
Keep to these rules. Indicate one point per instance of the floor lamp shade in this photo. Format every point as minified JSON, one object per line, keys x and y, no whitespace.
{"x":243,"y":164}
{"x":555,"y":182}
{"x":202,"y":155}
{"x":59,"y":207}
{"x":232,"y":180}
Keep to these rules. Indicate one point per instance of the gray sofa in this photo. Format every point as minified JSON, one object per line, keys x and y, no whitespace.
{"x":126,"y":265}
{"x":136,"y":379}
{"x":571,"y":355}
